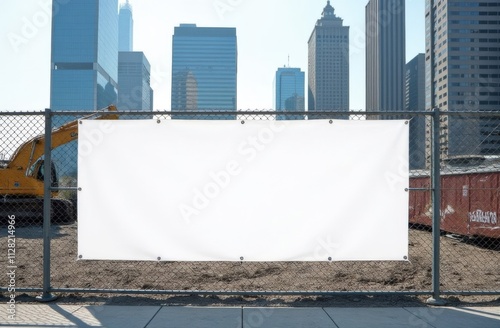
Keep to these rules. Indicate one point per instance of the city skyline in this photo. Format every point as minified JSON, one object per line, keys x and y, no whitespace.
{"x":261,"y":47}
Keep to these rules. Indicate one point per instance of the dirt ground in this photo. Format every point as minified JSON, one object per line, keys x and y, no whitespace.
{"x":466,"y":265}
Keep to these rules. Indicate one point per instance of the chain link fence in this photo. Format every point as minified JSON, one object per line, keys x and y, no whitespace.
{"x":462,"y":259}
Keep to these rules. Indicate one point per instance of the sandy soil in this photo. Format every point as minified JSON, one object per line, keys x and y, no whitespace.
{"x":467,"y":265}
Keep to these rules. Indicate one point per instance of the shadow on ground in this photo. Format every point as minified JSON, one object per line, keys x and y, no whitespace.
{"x":267,"y":301}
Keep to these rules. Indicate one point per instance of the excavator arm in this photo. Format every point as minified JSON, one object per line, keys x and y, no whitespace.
{"x":21,"y":180}
{"x":27,"y":154}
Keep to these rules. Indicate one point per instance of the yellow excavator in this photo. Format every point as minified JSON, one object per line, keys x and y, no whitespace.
{"x":21,"y":177}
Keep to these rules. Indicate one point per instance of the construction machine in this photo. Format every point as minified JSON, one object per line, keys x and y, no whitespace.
{"x":22,"y":177}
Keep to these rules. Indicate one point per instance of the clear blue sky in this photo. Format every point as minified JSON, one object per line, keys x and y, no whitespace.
{"x":268,"y":32}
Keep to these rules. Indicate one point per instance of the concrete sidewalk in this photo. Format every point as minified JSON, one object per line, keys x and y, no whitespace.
{"x":58,"y":315}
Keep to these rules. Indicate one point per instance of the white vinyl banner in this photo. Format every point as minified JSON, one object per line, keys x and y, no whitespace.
{"x":175,"y":190}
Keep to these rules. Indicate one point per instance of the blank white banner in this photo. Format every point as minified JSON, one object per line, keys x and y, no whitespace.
{"x":243,"y":191}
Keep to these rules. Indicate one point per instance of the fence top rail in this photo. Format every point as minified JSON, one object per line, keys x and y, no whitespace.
{"x":21,"y":113}
{"x":220,"y":112}
{"x":257,"y":112}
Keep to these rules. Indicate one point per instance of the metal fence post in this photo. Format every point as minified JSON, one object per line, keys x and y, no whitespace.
{"x":436,"y":208}
{"x":47,"y":195}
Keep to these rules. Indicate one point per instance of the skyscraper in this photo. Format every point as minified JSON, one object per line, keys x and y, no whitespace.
{"x":84,"y":60}
{"x":328,"y":73}
{"x":289,"y":92}
{"x":134,"y":70}
{"x":126,"y":28}
{"x":204,"y":70}
{"x":84,"y":64}
{"x":385,"y":55}
{"x":462,"y":73}
{"x":134,"y":77}
{"x":415,"y":101}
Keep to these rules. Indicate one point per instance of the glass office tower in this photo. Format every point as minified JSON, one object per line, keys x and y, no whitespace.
{"x":204,"y":70}
{"x":134,"y":70}
{"x":84,"y":65}
{"x":462,"y":73}
{"x":328,"y":53}
{"x":289,"y":92}
{"x":126,"y":28}
{"x":415,"y":101}
{"x":385,"y":56}
{"x":134,"y":78}
{"x":84,"y":61}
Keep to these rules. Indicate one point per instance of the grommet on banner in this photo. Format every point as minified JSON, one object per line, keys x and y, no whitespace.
{"x":406,"y":189}
{"x":80,"y":122}
{"x":241,"y":258}
{"x":242,"y":122}
{"x":407,"y":122}
{"x":158,"y":258}
{"x":80,"y":256}
{"x":331,"y":121}
{"x":405,"y":257}
{"x":158,"y":121}
{"x":329,"y":258}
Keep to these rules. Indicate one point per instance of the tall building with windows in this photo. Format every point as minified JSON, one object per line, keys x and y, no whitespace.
{"x":134,"y":79}
{"x":204,"y":70}
{"x":328,"y":71}
{"x":415,"y":102}
{"x":289,"y":92}
{"x":385,"y":55}
{"x":84,"y":56}
{"x":134,"y":70}
{"x":126,"y":28}
{"x":463,"y":73}
{"x":84,"y":64}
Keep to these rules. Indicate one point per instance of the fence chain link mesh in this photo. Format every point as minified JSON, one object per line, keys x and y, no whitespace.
{"x":469,"y":243}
